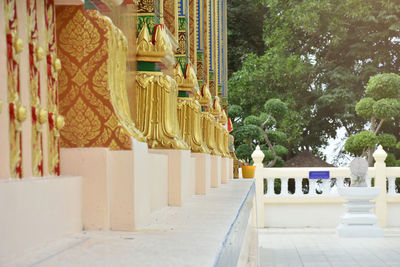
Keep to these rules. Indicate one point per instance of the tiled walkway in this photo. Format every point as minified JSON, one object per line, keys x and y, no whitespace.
{"x":319,"y":248}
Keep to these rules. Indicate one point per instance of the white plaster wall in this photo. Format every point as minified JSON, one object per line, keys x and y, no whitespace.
{"x":393,"y":212}
{"x":35,"y":211}
{"x":294,"y":215}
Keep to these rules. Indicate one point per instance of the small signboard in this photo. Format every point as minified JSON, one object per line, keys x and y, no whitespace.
{"x":318,"y":175}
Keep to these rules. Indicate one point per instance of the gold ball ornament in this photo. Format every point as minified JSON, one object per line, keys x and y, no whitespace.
{"x":57,"y":64}
{"x":60,"y":122}
{"x":42,"y":116}
{"x":21,"y":113}
{"x":39,"y":53}
{"x":18,"y":45}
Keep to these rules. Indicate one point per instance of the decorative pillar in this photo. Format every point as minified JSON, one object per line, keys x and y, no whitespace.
{"x":56,"y":121}
{"x":93,"y":95}
{"x":156,"y":92}
{"x":38,"y":113}
{"x":380,"y":181}
{"x":189,"y":109}
{"x":258,"y":157}
{"x":17,"y":111}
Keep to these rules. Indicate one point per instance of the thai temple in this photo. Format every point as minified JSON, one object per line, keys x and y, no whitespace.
{"x":113,"y":121}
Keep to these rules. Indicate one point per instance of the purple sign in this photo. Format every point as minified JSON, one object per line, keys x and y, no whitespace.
{"x":318,"y":175}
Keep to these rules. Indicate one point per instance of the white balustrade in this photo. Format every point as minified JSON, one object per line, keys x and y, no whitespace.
{"x":368,"y":180}
{"x":284,"y":186}
{"x":326,"y":187}
{"x":298,"y":182}
{"x":392,"y":185}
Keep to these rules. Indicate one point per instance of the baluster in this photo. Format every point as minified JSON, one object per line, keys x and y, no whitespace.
{"x":298,"y":186}
{"x":392,"y":185}
{"x":368,"y":181}
{"x":339,"y":182}
{"x":313,"y":186}
{"x":271,"y":190}
{"x":284,"y":186}
{"x":326,"y":184}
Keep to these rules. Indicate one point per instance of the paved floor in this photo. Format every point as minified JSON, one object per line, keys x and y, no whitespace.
{"x":191,"y":235}
{"x":321,"y":247}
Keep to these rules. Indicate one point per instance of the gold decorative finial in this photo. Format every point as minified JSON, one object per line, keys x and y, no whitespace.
{"x":223,"y":119}
{"x":155,"y":48}
{"x":216,"y":109}
{"x":206,"y":98}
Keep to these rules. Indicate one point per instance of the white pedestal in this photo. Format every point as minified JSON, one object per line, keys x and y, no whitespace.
{"x":359,"y":221}
{"x":202,"y":173}
{"x":215,"y":171}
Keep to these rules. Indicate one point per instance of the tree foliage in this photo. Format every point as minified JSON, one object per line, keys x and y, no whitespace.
{"x":318,"y":58}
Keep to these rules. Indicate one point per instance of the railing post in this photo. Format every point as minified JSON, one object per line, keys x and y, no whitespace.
{"x":258,"y":157}
{"x":380,"y":181}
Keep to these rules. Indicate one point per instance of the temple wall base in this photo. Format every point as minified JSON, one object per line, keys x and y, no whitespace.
{"x":120,"y":188}
{"x":37,"y":211}
{"x":202,"y":173}
{"x":181,"y":178}
{"x":215,"y":171}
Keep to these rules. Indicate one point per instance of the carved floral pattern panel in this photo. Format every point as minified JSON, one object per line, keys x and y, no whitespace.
{"x":83,"y":83}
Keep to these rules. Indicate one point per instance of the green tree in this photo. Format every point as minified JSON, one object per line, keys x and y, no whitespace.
{"x":380,"y":104}
{"x":261,"y":130}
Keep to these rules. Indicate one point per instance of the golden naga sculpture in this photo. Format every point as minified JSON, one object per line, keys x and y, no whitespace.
{"x":189,"y":109}
{"x":156,"y":94}
{"x":118,"y":49}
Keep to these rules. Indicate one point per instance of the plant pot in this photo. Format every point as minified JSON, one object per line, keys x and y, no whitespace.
{"x":248,"y":171}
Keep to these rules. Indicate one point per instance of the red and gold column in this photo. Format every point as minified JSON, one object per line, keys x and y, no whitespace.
{"x":56,"y":121}
{"x":17,"y":111}
{"x":38,"y":113}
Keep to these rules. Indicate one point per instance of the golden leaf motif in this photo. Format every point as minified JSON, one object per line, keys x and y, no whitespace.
{"x":100,"y":81}
{"x":68,"y":65}
{"x":79,"y":38}
{"x":112,"y":122}
{"x":62,"y":82}
{"x":100,"y":54}
{"x":79,"y":78}
{"x":69,"y":98}
{"x":82,"y":124}
{"x":103,"y":138}
{"x":114,"y":146}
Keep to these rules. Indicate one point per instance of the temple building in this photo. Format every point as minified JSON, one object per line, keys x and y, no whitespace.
{"x":110,"y":111}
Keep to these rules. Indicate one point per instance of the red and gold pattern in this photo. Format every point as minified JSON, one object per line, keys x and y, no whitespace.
{"x":56,"y":121}
{"x":39,"y":114}
{"x":85,"y":101}
{"x":16,"y":110}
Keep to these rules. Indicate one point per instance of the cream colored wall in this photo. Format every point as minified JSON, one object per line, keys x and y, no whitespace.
{"x":35,"y":211}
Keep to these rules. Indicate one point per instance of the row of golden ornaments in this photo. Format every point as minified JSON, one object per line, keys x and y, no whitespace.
{"x":170,"y":122}
{"x":16,"y":106}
